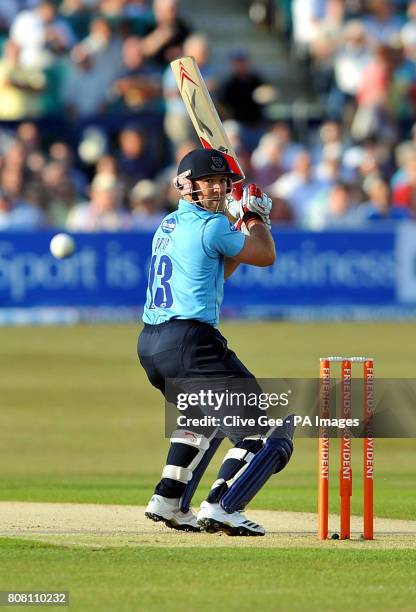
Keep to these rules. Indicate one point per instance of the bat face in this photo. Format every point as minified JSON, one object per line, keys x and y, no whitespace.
{"x":202,"y":111}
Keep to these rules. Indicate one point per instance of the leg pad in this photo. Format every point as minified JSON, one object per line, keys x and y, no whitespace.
{"x":271,"y":459}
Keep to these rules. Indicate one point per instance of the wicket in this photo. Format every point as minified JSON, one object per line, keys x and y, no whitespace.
{"x":345,"y":482}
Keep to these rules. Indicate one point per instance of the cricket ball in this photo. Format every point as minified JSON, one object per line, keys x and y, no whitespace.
{"x":62,"y":246}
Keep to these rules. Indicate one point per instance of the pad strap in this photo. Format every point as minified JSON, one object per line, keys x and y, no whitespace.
{"x":185,"y":436}
{"x":176,"y":472}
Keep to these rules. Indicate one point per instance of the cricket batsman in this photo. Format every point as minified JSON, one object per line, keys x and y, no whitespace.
{"x":194,"y":250}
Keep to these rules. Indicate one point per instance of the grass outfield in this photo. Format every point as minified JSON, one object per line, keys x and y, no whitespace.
{"x":80,"y":423}
{"x":216,"y":579}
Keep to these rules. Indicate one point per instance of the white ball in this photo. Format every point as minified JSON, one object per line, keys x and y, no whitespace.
{"x":62,"y":245}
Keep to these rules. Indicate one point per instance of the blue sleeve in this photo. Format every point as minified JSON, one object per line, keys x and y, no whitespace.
{"x":220,"y":237}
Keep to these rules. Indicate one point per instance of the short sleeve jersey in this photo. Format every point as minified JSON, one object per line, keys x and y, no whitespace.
{"x":186,"y":274}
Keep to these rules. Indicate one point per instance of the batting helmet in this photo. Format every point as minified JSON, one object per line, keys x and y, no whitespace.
{"x":205,"y":162}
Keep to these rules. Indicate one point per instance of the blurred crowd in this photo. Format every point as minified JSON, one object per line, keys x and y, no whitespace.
{"x":92,"y":125}
{"x":361,"y":56}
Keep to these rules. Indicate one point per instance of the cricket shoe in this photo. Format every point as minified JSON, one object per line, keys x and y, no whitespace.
{"x":212,"y":518}
{"x":168,"y":511}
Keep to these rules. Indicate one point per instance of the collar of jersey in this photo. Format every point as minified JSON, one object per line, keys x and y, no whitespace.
{"x":185,"y":206}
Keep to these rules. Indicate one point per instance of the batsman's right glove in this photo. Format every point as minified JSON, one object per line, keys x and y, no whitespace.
{"x":249,"y":203}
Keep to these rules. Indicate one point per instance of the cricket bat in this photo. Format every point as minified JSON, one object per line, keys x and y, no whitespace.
{"x":202,"y":111}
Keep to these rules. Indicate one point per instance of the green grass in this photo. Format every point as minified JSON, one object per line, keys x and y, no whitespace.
{"x":80,"y":423}
{"x":214,"y":579}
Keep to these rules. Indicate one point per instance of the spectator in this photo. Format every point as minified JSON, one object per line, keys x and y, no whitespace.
{"x":372,"y":117}
{"x":330,"y":135}
{"x":60,"y":192}
{"x":15,"y":156}
{"x":382,"y":25}
{"x":281,"y":212}
{"x":19,"y":216}
{"x":236,"y":92}
{"x":103,"y":49}
{"x":378,"y":206}
{"x":329,"y":169}
{"x":164,"y":42}
{"x":305,"y":18}
{"x":84,"y":75}
{"x":62,"y":153}
{"x":342,"y":210}
{"x":20,"y":212}
{"x":403,"y":151}
{"x":104,"y":211}
{"x":145,"y":206}
{"x":290,"y":149}
{"x":375,"y":79}
{"x":333,"y":209}
{"x":21,"y":87}
{"x":325,"y":43}
{"x":41,"y":34}
{"x":404,"y":193}
{"x":138,"y":83}
{"x":93,"y":144}
{"x":373,"y":159}
{"x":403,"y":88}
{"x":35,"y":163}
{"x":107,"y":164}
{"x":411,"y":11}
{"x":35,"y":196}
{"x":266,"y":160}
{"x":350,"y":61}
{"x":135,"y":159}
{"x":28,"y":134}
{"x":298,"y":187}
{"x":12,"y":182}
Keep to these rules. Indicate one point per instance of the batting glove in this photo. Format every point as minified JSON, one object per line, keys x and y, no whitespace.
{"x":250,"y":203}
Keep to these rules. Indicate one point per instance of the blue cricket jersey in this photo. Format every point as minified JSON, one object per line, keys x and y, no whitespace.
{"x":186,"y":275}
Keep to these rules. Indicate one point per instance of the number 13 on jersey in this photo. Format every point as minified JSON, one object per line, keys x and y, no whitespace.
{"x":159,"y":286}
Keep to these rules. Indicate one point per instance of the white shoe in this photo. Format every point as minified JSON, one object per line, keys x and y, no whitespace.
{"x":212,"y":518}
{"x":168,"y":511}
